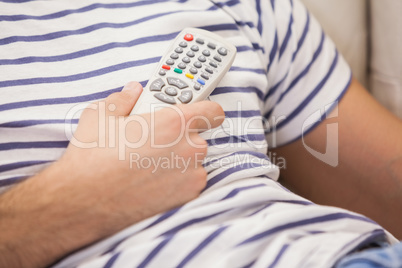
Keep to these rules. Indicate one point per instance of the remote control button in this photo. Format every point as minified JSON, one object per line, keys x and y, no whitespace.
{"x":182,"y":65}
{"x":178,"y":50}
{"x":174,"y":56}
{"x":223,"y":51}
{"x":176,"y":82}
{"x":157,"y":85}
{"x":213,"y":64}
{"x":195,"y":48}
{"x":200,"y":41}
{"x":211,"y":45}
{"x":206,"y":53}
{"x":170,"y":62}
{"x":165,"y":98}
{"x":205,"y":76}
{"x":186,"y":60}
{"x":190,"y":76}
{"x":217,"y":58}
{"x":166,"y":67}
{"x":171,"y":91}
{"x":190,"y":54}
{"x":186,"y":96}
{"x":162,"y":72}
{"x":193,"y":70}
{"x":202,"y":58}
{"x":197,"y":86}
{"x":178,"y":71}
{"x":202,"y":82}
{"x":188,"y":37}
{"x":209,"y":70}
{"x":197,"y":64}
{"x":183,"y":44}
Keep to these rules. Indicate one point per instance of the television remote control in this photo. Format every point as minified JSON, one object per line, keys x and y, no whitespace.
{"x":188,"y":72}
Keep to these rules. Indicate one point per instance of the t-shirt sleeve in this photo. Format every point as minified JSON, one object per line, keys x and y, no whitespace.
{"x":307,"y":75}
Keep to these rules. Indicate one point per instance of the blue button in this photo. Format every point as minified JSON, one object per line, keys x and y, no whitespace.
{"x":202,"y":82}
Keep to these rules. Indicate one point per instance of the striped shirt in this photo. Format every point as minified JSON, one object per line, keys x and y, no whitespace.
{"x":55,"y":55}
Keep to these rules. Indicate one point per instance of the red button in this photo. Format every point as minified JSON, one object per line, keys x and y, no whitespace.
{"x":188,"y":37}
{"x":166,"y":67}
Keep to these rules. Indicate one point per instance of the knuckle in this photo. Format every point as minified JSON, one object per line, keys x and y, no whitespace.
{"x":200,"y":179}
{"x":118,"y":99}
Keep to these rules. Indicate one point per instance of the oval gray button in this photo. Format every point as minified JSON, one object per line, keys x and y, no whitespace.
{"x":186,"y":96}
{"x":186,"y":60}
{"x":197,"y":64}
{"x":165,"y":98}
{"x":171,"y":91}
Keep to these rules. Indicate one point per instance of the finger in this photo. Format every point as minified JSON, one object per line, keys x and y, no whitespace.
{"x":121,"y":103}
{"x":203,"y":115}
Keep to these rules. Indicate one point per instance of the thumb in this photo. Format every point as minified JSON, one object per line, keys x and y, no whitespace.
{"x":121,"y":103}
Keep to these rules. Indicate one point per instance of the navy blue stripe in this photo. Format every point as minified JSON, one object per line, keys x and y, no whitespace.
{"x":273,"y":52}
{"x":106,"y":47}
{"x":228,"y":3}
{"x":273,"y":4}
{"x":220,"y":27}
{"x":202,"y":245}
{"x":80,"y":76}
{"x":155,"y":251}
{"x":236,"y":191}
{"x":239,"y":155}
{"x":236,"y":139}
{"x":241,"y":69}
{"x":251,"y":264}
{"x":55,"y":101}
{"x":376,"y":236}
{"x":85,"y":30}
{"x":273,"y":89}
{"x":243,"y":113}
{"x":10,"y":181}
{"x":287,"y":37}
{"x":328,"y":111}
{"x":316,"y":54}
{"x":162,"y":218}
{"x":112,"y":260}
{"x":259,"y":12}
{"x":104,"y":25}
{"x":29,"y":123}
{"x":224,"y":90}
{"x":16,"y":1}
{"x":300,"y":76}
{"x":247,"y":48}
{"x":274,"y":202}
{"x":261,"y":209}
{"x":242,"y":167}
{"x":303,"y":37}
{"x":84,"y":9}
{"x":258,"y":47}
{"x":12,"y":166}
{"x":191,"y":222}
{"x":33,"y":145}
{"x":90,"y":51}
{"x":319,"y":219}
{"x":299,"y":45}
{"x":305,"y":102}
{"x":280,"y":253}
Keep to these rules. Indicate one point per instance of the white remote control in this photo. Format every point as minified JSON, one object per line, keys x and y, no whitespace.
{"x":188,"y":72}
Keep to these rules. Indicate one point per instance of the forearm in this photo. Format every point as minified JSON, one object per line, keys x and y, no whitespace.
{"x":368,"y":178}
{"x":42,"y":220}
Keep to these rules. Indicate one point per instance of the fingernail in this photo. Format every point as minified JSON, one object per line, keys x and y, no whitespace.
{"x":132,"y":86}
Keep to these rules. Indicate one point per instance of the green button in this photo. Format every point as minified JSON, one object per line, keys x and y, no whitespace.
{"x":178,"y":71}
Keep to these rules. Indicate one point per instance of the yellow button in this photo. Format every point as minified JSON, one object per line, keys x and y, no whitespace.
{"x":190,"y":76}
